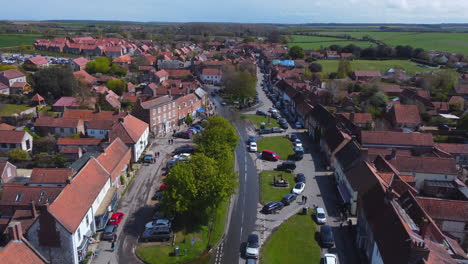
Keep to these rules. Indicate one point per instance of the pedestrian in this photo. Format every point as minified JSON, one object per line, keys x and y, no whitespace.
{"x":158,"y":154}
{"x":305,"y":199}
{"x":168,"y":141}
{"x":113,"y":245}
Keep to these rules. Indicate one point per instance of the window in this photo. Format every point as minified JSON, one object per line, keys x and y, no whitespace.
{"x":41,"y":196}
{"x":9,"y":172}
{"x":13,"y":145}
{"x":28,"y":144}
{"x":154,"y":111}
{"x":87,"y":219}
{"x":62,"y":130}
{"x":101,"y":132}
{"x":4,"y":145}
{"x":164,"y":107}
{"x":173,"y":104}
{"x":79,"y":234}
{"x":159,"y":110}
{"x":18,"y":197}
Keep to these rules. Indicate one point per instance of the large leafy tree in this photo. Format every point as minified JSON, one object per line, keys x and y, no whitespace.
{"x":344,"y":69}
{"x":54,"y":82}
{"x":118,"y":86}
{"x":101,"y":65}
{"x":296,"y":52}
{"x":239,"y":84}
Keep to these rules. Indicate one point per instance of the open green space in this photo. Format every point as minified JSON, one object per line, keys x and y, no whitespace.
{"x":293,"y":243}
{"x":281,"y":145}
{"x":10,"y":109}
{"x":449,"y":42}
{"x":12,"y":40}
{"x":317,"y":42}
{"x":205,"y":236}
{"x":257,"y":119}
{"x":410,"y":67}
{"x":269,"y":193}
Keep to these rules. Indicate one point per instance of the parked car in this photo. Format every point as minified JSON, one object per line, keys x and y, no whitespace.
{"x":275,"y":115}
{"x":158,"y":222}
{"x":157,"y":234}
{"x":251,"y":251}
{"x":300,"y":177}
{"x":149,"y":159}
{"x":184,"y":149}
{"x":261,"y":113}
{"x":298,"y":125}
{"x":265,"y":131}
{"x":270,"y":155}
{"x":193,"y":130}
{"x":326,"y":236}
{"x":272,"y":207}
{"x":293,"y":137}
{"x":297,"y":143}
{"x":251,"y":139}
{"x":251,"y":261}
{"x":283,"y":123}
{"x":116,"y":218}
{"x":109,"y":232}
{"x":277,"y":130}
{"x":289,"y":198}
{"x":330,"y":259}
{"x":298,"y":153}
{"x":253,"y":147}
{"x":171,"y":163}
{"x":287,"y":166}
{"x":272,"y":110}
{"x":223,"y":103}
{"x":320,"y":215}
{"x":298,"y":188}
{"x":186,"y":135}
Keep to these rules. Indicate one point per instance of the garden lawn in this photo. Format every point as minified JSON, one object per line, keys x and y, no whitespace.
{"x":293,"y":243}
{"x":281,"y":145}
{"x":257,"y":119}
{"x":12,"y":40}
{"x":410,"y":67}
{"x":10,"y":109}
{"x":269,"y":193}
{"x":203,"y":239}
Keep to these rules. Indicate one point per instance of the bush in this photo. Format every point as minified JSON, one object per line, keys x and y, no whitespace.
{"x":123,"y":179}
{"x":16,"y":155}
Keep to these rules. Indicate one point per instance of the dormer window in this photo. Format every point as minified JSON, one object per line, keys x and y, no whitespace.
{"x":18,"y":197}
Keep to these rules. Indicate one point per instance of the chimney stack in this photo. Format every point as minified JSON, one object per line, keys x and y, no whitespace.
{"x":33,"y":209}
{"x":15,"y":232}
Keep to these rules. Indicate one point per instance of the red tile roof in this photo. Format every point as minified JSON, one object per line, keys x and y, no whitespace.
{"x":130,"y":130}
{"x":39,"y":60}
{"x":441,"y":106}
{"x":20,"y":252}
{"x":406,"y":114}
{"x":432,"y":165}
{"x":358,"y":118}
{"x":391,"y":88}
{"x":87,"y":115}
{"x":12,"y":74}
{"x":73,"y":203}
{"x":161,"y":74}
{"x":208,"y":71}
{"x":81,"y":61}
{"x":47,"y":121}
{"x":79,"y":141}
{"x":441,"y":209}
{"x":12,"y":136}
{"x":21,"y":194}
{"x":5,"y":126}
{"x":461,"y":88}
{"x":51,"y":175}
{"x":102,"y":124}
{"x":83,"y":75}
{"x":396,"y":138}
{"x":456,"y":100}
{"x":115,"y":157}
{"x":453,"y":148}
{"x":70,"y":150}
{"x":37,"y":98}
{"x":66,"y":101}
{"x":178,"y":73}
{"x":123,"y":59}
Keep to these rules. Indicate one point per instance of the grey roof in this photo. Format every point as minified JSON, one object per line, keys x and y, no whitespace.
{"x":349,"y":155}
{"x":200,"y":93}
{"x":79,"y":163}
{"x":155,"y":102}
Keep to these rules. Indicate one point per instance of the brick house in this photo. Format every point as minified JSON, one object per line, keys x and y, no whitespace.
{"x":211,"y":76}
{"x":7,"y":172}
{"x":133,"y":132}
{"x":14,"y":82}
{"x":365,"y":75}
{"x":78,"y":64}
{"x":160,"y":113}
{"x":404,"y":116}
{"x":63,"y":127}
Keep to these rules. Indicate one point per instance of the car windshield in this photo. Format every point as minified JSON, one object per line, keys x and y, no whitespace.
{"x":298,"y":186}
{"x":320,"y":215}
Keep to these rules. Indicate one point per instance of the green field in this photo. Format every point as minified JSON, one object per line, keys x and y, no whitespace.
{"x":268,"y":193}
{"x":293,"y":243}
{"x":281,"y":145}
{"x":410,"y":67}
{"x":449,"y":42}
{"x":12,"y":40}
{"x":315,"y":42}
{"x":10,"y":109}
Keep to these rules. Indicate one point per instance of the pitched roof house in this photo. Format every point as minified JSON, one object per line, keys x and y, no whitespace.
{"x":12,"y":139}
{"x":58,"y":126}
{"x":133,"y":132}
{"x":404,"y":116}
{"x":398,"y":140}
{"x":7,"y":171}
{"x":115,"y":160}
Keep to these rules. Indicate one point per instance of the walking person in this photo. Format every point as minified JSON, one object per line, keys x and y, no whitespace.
{"x":305,"y":199}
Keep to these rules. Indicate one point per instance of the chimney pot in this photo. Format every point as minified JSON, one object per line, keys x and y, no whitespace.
{"x":15,"y":231}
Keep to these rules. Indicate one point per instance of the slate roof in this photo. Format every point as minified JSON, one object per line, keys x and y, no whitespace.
{"x":349,"y":155}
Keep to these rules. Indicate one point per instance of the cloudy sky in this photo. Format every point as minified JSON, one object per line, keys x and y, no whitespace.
{"x":244,"y":11}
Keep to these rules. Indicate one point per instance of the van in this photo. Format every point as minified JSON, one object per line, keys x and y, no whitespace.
{"x":270,"y":155}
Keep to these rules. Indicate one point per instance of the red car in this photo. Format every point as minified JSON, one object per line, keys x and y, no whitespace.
{"x":116,"y":218}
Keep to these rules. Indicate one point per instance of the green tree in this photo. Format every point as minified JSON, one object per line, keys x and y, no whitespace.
{"x":296,"y":52}
{"x":248,"y":39}
{"x":307,"y":73}
{"x":315,"y":67}
{"x":16,"y":155}
{"x":118,"y":86}
{"x":463,"y":122}
{"x":444,"y":80}
{"x":117,"y":70}
{"x":344,"y":69}
{"x":55,"y":82}
{"x":188,"y":119}
{"x":59,"y":160}
{"x":101,"y":65}
{"x":239,"y":84}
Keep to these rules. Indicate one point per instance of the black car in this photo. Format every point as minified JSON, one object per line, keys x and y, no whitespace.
{"x":265,"y":131}
{"x":261,"y":113}
{"x":277,"y":130}
{"x":287,"y":166}
{"x":300,"y":177}
{"x":251,"y":139}
{"x":284,"y":125}
{"x":185,"y":135}
{"x":163,"y":233}
{"x":272,"y":207}
{"x":289,"y":198}
{"x":184,"y":149}
{"x":275,"y":115}
{"x":326,"y":236}
{"x":293,"y":137}
{"x":109,"y":232}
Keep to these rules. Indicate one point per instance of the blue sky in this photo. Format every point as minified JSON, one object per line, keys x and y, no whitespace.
{"x":244,"y":11}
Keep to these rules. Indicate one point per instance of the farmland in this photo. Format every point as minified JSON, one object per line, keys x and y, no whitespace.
{"x":316,"y":42}
{"x":410,"y":67}
{"x":450,"y":42}
{"x":12,"y":40}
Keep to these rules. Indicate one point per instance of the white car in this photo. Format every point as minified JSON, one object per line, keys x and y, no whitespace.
{"x":253,"y":246}
{"x":182,"y":156}
{"x":158,"y":222}
{"x":297,"y":143}
{"x":298,"y":188}
{"x":330,"y":259}
{"x":320,"y":215}
{"x":253,"y":147}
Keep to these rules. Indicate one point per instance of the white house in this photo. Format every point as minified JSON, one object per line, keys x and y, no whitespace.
{"x":12,"y":139}
{"x":133,"y":132}
{"x":212,"y":76}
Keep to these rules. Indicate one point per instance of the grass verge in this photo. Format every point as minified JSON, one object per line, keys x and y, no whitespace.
{"x":281,"y":145}
{"x":257,"y":119}
{"x":293,"y":243}
{"x":10,"y":109}
{"x":268,"y":192}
